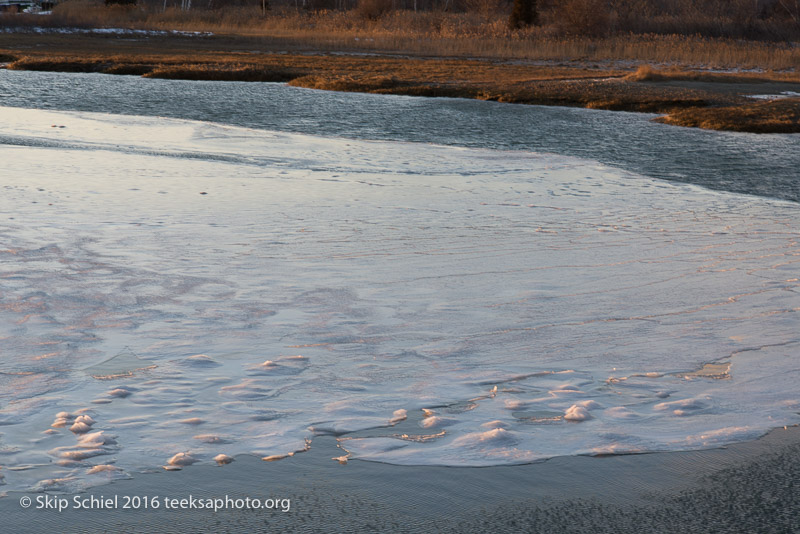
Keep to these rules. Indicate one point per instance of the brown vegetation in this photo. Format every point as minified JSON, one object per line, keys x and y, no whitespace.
{"x":772,"y":20}
{"x":591,"y":18}
{"x":699,"y":32}
{"x":582,"y":54}
{"x":775,"y":116}
{"x":686,"y":95}
{"x":219,"y":72}
{"x":647,"y":73}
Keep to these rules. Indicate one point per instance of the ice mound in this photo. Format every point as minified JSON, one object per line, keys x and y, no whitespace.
{"x":496,"y":424}
{"x":398,"y":415}
{"x":80,"y":428}
{"x":577,"y":413}
{"x":436,"y":421}
{"x":63,"y":419}
{"x":85,"y":419}
{"x":494,"y":437}
{"x":120,"y":393}
{"x":182,"y":459}
{"x":81,"y":424}
{"x":96,"y":439}
{"x":103,"y":468}
{"x":192,"y":421}
{"x":77,"y":454}
{"x":222,"y":459}
{"x":87,"y":446}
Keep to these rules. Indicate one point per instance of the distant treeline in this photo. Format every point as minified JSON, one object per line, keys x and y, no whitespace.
{"x":463,"y":27}
{"x":748,"y":19}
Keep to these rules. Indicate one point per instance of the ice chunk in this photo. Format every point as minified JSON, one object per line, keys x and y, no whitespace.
{"x":222,"y":459}
{"x":576,"y":413}
{"x":80,"y":428}
{"x":496,"y":424}
{"x":436,"y":421}
{"x":103,"y":468}
{"x":398,"y":415}
{"x":181,"y":459}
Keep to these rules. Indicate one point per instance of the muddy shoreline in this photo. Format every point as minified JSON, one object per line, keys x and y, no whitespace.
{"x":746,"y":487}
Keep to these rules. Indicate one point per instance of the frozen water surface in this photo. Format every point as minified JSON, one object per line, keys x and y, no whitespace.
{"x":765,"y":165}
{"x":177,"y":292}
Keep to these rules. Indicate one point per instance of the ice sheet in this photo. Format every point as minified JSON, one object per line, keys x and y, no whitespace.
{"x":199,"y":290}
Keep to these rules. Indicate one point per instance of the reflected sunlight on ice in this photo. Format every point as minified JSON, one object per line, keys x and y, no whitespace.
{"x":176,"y":292}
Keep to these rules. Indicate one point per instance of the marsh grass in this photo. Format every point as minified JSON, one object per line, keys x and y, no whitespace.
{"x":426,"y":54}
{"x":649,"y":73}
{"x":432,"y":33}
{"x":776,"y":116}
{"x":220,"y":72}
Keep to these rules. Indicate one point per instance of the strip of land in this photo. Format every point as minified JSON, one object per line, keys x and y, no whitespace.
{"x":682,"y":96}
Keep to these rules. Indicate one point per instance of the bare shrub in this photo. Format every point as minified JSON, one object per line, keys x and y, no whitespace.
{"x":373,"y":9}
{"x":591,"y":18}
{"x":645,"y":73}
{"x":524,"y":13}
{"x":89,"y":13}
{"x":655,"y":31}
{"x":487,"y":10}
{"x":790,"y":8}
{"x":633,"y":15}
{"x":740,"y":19}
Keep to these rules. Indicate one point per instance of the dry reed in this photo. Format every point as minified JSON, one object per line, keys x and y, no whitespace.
{"x":428,"y":34}
{"x":776,"y":116}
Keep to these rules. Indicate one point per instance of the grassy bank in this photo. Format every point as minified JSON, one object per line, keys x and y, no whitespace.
{"x":778,"y":116}
{"x":689,"y":96}
{"x":685,"y":35}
